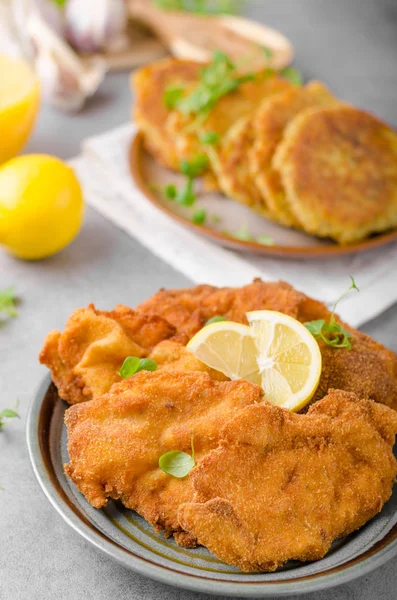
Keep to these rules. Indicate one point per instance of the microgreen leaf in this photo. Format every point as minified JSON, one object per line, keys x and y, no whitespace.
{"x":332,"y":333}
{"x":264,"y":239}
{"x":209,"y":137}
{"x":186,"y":195}
{"x":7,"y":413}
{"x":170,"y":191}
{"x":217,"y":79}
{"x":242,"y":234}
{"x":293,"y":75}
{"x":194,"y":167}
{"x":7,"y":302}
{"x":177,"y":463}
{"x":133,"y":364}
{"x":216,"y":319}
{"x":172,"y":95}
{"x":199,"y":216}
{"x":267,"y":52}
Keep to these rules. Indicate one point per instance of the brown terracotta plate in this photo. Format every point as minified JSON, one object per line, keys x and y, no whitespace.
{"x":126,"y":537}
{"x":225,"y":215}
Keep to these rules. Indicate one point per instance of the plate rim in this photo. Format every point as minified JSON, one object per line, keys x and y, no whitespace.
{"x":298,"y":252}
{"x":374,"y":557}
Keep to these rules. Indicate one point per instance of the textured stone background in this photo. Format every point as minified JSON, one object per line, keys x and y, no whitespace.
{"x":352,"y":46}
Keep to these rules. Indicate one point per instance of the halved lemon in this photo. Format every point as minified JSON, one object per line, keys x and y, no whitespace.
{"x":274,"y":351}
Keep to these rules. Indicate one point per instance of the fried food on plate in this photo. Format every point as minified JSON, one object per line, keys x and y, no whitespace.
{"x":85,"y":358}
{"x":190,"y":308}
{"x":230,"y":159}
{"x":172,"y":356}
{"x":283,"y":486}
{"x":368,"y":369}
{"x":268,"y":124}
{"x":186,"y":129}
{"x":151,"y":112}
{"x":339,"y":170}
{"x":115,"y":441}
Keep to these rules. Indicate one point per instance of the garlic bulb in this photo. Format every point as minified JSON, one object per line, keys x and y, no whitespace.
{"x":97,"y":25}
{"x":66,"y":80}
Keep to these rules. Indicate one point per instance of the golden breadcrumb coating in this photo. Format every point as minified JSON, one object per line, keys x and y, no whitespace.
{"x":283,"y":486}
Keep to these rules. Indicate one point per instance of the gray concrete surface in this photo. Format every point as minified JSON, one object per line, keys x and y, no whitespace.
{"x":351,"y":45}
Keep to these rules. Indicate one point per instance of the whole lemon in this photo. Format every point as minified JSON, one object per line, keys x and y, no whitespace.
{"x":41,"y":206}
{"x":19,"y":104}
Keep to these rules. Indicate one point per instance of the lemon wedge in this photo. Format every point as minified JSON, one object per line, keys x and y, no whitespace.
{"x":274,"y":351}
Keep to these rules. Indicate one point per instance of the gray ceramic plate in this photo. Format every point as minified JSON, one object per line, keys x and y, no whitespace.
{"x":126,"y":537}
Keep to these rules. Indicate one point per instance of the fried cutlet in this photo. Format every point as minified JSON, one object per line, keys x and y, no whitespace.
{"x":230,"y":159}
{"x":115,"y":441}
{"x":283,"y":486}
{"x":368,"y":369}
{"x":172,"y":356}
{"x":268,"y":124}
{"x":151,"y":112}
{"x":185,"y":130}
{"x":85,"y":358}
{"x":338,"y":167}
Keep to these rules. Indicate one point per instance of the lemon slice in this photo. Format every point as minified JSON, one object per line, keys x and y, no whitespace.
{"x":274,"y":351}
{"x":228,"y":347}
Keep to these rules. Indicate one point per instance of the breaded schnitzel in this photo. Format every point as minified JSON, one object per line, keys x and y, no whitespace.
{"x":85,"y":358}
{"x":283,"y":486}
{"x":115,"y":441}
{"x":368,"y":369}
{"x":339,"y":169}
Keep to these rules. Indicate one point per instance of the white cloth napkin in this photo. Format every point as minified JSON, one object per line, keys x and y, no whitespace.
{"x":104,"y":172}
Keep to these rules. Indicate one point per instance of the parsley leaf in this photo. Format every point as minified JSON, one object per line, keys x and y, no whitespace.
{"x":293,"y":75}
{"x":194,"y":167}
{"x":199,"y":216}
{"x":7,"y":302}
{"x":209,"y":137}
{"x":177,"y":463}
{"x":170,"y":191}
{"x":172,"y":95}
{"x":217,"y":79}
{"x":7,"y":413}
{"x":267,"y":52}
{"x":332,"y":333}
{"x":215,"y":319}
{"x":204,"y":7}
{"x":265,"y":240}
{"x":186,"y":195}
{"x":133,"y":364}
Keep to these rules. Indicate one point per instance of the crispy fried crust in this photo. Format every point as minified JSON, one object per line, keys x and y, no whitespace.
{"x":184,"y":129}
{"x":230,"y":159}
{"x":368,"y":369}
{"x":85,"y":358}
{"x":268,"y":125}
{"x":115,"y":441}
{"x":150,"y":111}
{"x":283,"y":486}
{"x":339,"y":170}
{"x":189,"y":309}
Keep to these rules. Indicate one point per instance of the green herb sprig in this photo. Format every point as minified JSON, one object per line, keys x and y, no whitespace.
{"x":332,"y":333}
{"x":7,"y":302}
{"x":216,"y":319}
{"x":7,"y":413}
{"x":177,"y":463}
{"x":133,"y":364}
{"x":217,"y":79}
{"x":293,"y":75}
{"x":204,"y":7}
{"x":244,"y":235}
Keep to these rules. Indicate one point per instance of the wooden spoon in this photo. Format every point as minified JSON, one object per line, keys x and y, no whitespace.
{"x":190,"y":36}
